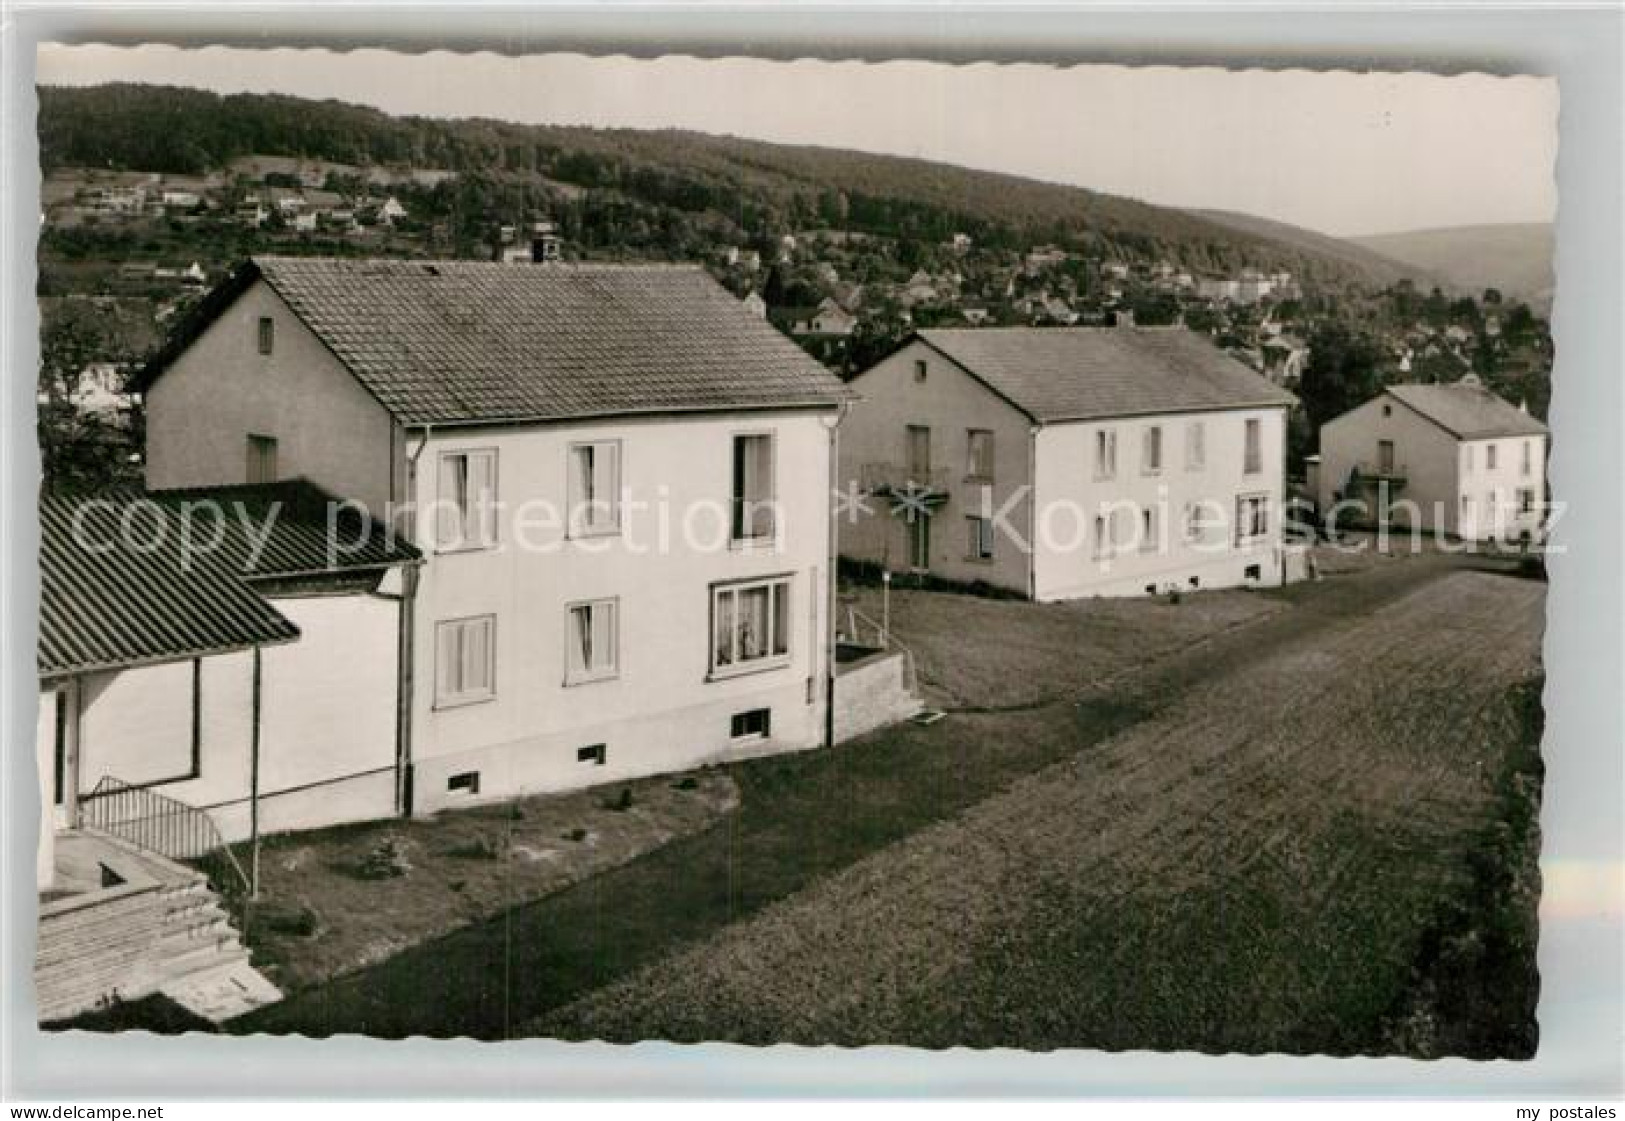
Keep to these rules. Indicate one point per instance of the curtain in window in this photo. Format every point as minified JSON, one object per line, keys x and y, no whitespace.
{"x":753,"y":487}
{"x":724,"y":623}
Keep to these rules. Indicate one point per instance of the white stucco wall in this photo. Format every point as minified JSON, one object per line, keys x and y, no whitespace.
{"x":950,"y":403}
{"x":1493,"y":508}
{"x":328,"y":428}
{"x":660,"y":712}
{"x":327,"y":732}
{"x":45,"y":761}
{"x":1069,"y":496}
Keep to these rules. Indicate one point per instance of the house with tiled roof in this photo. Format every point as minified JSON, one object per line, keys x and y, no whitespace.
{"x":1067,"y":462}
{"x":618,"y":476}
{"x":1449,"y":457}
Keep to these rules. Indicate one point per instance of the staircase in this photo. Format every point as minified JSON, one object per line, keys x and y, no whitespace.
{"x":154,"y":927}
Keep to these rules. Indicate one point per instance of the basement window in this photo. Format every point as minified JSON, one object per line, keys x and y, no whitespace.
{"x":1253,"y":572}
{"x":467,"y":781}
{"x":753,"y":725}
{"x":596,"y":754}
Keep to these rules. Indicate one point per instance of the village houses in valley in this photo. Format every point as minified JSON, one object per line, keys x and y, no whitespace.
{"x":618,"y":477}
{"x":1131,"y":460}
{"x":1452,"y":458}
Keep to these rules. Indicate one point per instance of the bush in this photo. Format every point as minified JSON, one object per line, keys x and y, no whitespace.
{"x":386,"y":861}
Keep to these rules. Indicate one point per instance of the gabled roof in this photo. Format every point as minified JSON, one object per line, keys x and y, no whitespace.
{"x":1083,"y":373}
{"x":1467,"y":411}
{"x":278,"y":530}
{"x":448,"y":342}
{"x":109,"y":601}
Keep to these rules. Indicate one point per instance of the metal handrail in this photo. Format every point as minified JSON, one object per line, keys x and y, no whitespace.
{"x":902,"y":478}
{"x":884,"y":640}
{"x":159,"y":824}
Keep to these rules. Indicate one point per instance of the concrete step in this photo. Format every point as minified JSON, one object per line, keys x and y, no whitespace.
{"x":222,"y":993}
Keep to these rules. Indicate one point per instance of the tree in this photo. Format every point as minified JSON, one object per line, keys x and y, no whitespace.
{"x":80,"y":452}
{"x":1344,"y":370}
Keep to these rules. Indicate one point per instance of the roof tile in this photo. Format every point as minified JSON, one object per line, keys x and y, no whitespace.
{"x":1082,"y":373}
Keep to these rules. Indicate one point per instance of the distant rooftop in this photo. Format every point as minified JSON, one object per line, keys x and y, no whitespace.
{"x":1083,"y":373}
{"x":446,"y":342}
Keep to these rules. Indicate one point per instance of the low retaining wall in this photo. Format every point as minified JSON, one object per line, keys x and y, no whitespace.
{"x":872,"y":693}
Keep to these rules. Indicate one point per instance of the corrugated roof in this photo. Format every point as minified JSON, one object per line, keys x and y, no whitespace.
{"x":108,"y":600}
{"x":1081,"y":373}
{"x":1468,"y":411}
{"x":281,"y":529}
{"x":442,"y":342}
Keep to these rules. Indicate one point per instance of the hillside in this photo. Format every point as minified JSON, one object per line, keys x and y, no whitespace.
{"x":722,"y":186}
{"x":1379,"y":269}
{"x":1517,"y":259}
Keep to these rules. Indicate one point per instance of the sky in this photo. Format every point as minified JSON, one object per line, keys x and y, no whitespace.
{"x":1343,"y":153}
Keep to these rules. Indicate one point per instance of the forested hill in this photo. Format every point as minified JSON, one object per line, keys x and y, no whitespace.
{"x":750,"y":186}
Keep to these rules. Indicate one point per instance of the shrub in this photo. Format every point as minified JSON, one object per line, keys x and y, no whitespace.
{"x":386,"y":861}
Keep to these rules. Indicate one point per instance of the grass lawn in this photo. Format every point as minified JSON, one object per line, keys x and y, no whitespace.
{"x":329,"y":903}
{"x":976,"y":653}
{"x":1258,"y":867}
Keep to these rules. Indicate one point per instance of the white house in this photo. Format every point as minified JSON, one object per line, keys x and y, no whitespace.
{"x":620,"y":478}
{"x":1448,"y":457}
{"x":1066,"y":462}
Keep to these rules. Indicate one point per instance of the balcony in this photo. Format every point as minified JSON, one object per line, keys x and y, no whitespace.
{"x":1393,"y":473}
{"x":901,"y":481}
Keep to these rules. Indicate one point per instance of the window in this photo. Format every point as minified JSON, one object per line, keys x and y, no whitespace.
{"x":597,"y":754}
{"x":1151,"y":453}
{"x":752,"y":515}
{"x":1387,"y":410}
{"x":592,"y":642}
{"x":1252,"y":517}
{"x":750,"y":625}
{"x":466,"y":781}
{"x":1106,"y":454}
{"x":757,"y":724}
{"x":267,"y":334}
{"x":1528,"y":458}
{"x":1253,"y":457}
{"x":1489,"y":457}
{"x":1105,"y":534}
{"x":465,"y":661}
{"x":1526,"y":500}
{"x":1385,"y":456}
{"x":1195,"y":446}
{"x":595,"y":488}
{"x":919,"y":369}
{"x":465,"y":506}
{"x":1469,"y":452}
{"x":1149,"y":536}
{"x":262,"y":459}
{"x":979,"y":456}
{"x":979,"y":533}
{"x":917,"y":439}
